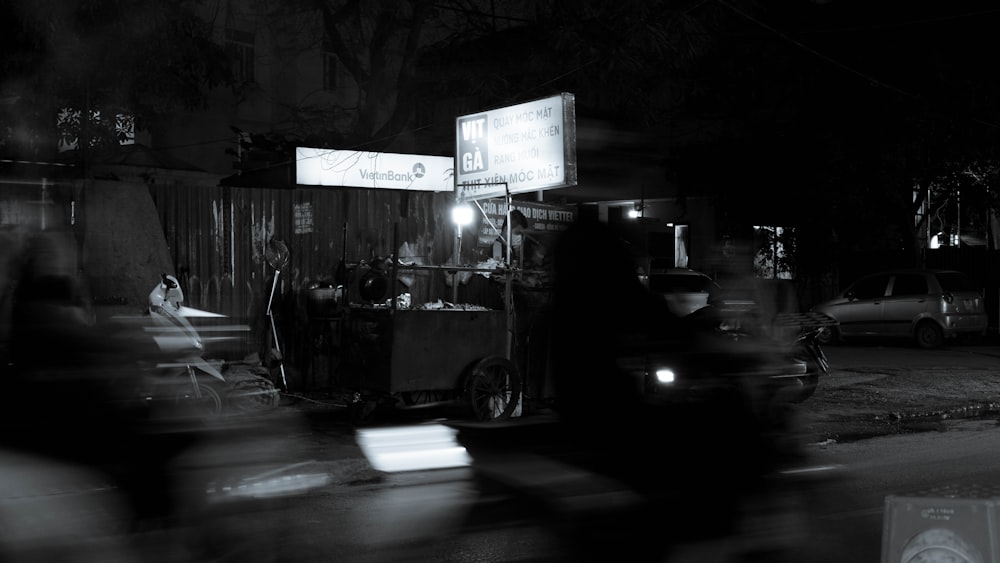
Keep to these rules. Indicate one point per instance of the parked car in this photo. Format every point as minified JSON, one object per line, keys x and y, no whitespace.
{"x":685,"y":290}
{"x":929,"y":306}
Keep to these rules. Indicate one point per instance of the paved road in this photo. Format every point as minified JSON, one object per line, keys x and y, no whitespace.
{"x":440,"y":515}
{"x":950,"y":378}
{"x":364,"y":514}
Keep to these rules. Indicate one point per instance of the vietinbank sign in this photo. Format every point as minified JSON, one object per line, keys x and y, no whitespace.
{"x":523,"y":148}
{"x":327,"y":167}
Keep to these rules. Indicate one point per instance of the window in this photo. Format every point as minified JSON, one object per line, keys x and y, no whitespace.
{"x":669,"y":249}
{"x":774,"y":254}
{"x":909,"y":284}
{"x":70,"y":126}
{"x":331,"y":66}
{"x":125,"y":128}
{"x":954,"y":281}
{"x":681,"y":244}
{"x":870,"y":288}
{"x":240,"y":46}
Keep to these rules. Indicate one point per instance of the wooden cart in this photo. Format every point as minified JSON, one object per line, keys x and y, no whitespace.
{"x":430,"y":355}
{"x":424,"y":356}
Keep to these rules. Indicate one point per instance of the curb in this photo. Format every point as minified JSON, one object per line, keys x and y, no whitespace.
{"x":967,"y":411}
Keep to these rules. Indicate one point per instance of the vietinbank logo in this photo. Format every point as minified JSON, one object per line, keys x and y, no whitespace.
{"x":372,"y":175}
{"x":473,"y":144}
{"x":326,"y":167}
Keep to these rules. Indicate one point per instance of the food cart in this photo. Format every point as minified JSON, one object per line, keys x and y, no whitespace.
{"x":404,"y":350}
{"x":394,"y":353}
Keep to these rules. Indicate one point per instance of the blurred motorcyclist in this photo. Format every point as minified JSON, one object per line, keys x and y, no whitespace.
{"x":83,"y":443}
{"x":68,"y":378}
{"x":599,"y":308}
{"x":669,"y":452}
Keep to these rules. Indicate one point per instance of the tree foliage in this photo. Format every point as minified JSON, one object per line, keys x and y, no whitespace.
{"x":618,"y":58}
{"x":377,"y":44}
{"x":838,"y":110}
{"x":144,"y":58}
{"x":632,"y":58}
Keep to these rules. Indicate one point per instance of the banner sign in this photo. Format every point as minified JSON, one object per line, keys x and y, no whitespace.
{"x":327,"y":167}
{"x":522,"y":148}
{"x":540,"y":216}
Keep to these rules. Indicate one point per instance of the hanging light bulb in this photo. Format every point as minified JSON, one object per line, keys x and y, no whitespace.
{"x":461,"y":215}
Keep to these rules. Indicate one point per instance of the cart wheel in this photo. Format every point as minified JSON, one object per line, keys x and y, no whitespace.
{"x":416,"y":398}
{"x":250,"y":395}
{"x":205,"y":401}
{"x":493,"y":388}
{"x":249,"y":389}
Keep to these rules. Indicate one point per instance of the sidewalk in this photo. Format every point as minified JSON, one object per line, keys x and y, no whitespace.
{"x":876,"y":390}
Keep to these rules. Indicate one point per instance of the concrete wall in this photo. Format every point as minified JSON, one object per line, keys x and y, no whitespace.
{"x":123,"y":247}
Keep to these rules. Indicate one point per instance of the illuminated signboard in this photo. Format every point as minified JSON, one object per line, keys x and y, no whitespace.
{"x":327,"y":167}
{"x":528,"y":147}
{"x":540,"y":216}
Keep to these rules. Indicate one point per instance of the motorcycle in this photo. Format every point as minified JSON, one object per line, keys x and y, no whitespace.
{"x":666,"y":430}
{"x":207,"y":389}
{"x":806,"y":346}
{"x":793,"y":335}
{"x":706,"y":465}
{"x":175,"y":335}
{"x":104,"y":458}
{"x":712,"y":432}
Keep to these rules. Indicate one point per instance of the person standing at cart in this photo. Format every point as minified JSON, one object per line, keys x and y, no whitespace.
{"x":526,"y":251}
{"x":530,"y":294}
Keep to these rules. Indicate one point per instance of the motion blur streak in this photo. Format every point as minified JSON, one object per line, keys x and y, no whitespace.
{"x":412,"y":448}
{"x":106,"y":458}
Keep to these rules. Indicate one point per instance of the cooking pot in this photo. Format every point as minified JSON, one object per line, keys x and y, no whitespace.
{"x":374,"y":286}
{"x":324,"y":300}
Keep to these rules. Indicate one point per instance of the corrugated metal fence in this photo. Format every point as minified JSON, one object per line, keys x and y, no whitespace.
{"x":218,"y":238}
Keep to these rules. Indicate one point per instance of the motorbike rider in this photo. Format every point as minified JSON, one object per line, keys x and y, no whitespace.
{"x":602,"y":313}
{"x":70,"y":376}
{"x":76,"y":426}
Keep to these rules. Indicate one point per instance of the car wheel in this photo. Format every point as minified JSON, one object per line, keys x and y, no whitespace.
{"x":928,"y":335}
{"x":828,"y":336}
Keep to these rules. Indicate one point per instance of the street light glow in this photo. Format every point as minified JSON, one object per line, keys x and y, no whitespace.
{"x":461,"y":215}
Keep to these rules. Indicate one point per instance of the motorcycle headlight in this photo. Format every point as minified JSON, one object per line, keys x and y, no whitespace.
{"x":665,"y":376}
{"x":730,"y":325}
